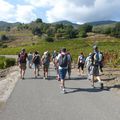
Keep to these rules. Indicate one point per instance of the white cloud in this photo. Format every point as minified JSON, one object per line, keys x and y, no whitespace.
{"x":73,"y":10}
{"x":79,"y":10}
{"x":6,"y":10}
{"x":24,"y":13}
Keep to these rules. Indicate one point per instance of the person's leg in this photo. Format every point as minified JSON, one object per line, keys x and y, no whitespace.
{"x":38,"y":69}
{"x":101,"y":83}
{"x":82,"y":69}
{"x":92,"y":78}
{"x":23,"y":73}
{"x":69,"y":72}
{"x":35,"y":71}
{"x":44,"y":72}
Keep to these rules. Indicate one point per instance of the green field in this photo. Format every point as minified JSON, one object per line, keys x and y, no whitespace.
{"x":73,"y":46}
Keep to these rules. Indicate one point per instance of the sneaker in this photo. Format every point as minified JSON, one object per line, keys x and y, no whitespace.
{"x":63,"y":91}
{"x":44,"y":78}
{"x":102,"y":86}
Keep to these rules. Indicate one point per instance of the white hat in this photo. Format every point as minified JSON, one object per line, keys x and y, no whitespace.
{"x":45,"y":52}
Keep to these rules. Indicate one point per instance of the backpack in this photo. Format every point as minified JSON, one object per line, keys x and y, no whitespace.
{"x":81,"y":59}
{"x":22,"y":57}
{"x":96,"y":58}
{"x":36,"y":59}
{"x":101,"y":57}
{"x":46,"y":60}
{"x":63,"y":60}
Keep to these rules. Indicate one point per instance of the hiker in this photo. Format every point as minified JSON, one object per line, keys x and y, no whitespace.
{"x":81,"y":62}
{"x":57,"y":67}
{"x":94,"y":69}
{"x":54,"y":56}
{"x":62,"y":60}
{"x":22,"y":56}
{"x":37,"y":62}
{"x":88,"y":63}
{"x":101,"y":60}
{"x":69,"y":65}
{"x":45,"y":62}
{"x":30,"y":57}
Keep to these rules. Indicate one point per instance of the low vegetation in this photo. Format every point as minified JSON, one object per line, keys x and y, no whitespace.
{"x":6,"y":62}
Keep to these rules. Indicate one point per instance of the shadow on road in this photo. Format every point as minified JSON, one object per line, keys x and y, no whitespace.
{"x":73,"y":90}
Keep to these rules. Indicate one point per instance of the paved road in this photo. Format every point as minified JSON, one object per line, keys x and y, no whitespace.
{"x":38,"y":99}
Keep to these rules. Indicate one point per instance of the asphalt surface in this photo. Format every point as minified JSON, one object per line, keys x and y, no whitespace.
{"x":38,"y":99}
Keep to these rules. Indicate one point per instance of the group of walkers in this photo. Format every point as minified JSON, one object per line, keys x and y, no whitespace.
{"x":62,"y":63}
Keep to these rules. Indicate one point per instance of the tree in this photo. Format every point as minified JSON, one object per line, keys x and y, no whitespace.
{"x":38,"y":20}
{"x":37,"y":31}
{"x":4,"y":37}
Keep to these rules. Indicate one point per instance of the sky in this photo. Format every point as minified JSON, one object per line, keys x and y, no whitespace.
{"x":76,"y":11}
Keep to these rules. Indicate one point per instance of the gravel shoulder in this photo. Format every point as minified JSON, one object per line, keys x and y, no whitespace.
{"x":8,"y":80}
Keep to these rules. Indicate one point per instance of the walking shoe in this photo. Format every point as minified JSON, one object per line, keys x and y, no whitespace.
{"x":63,"y":91}
{"x":102,"y":86}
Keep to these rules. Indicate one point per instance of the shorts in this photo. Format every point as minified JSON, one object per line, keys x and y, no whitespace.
{"x":36,"y":66}
{"x":62,"y":73}
{"x":94,"y":70}
{"x":23,"y":66}
{"x":81,"y":65}
{"x":45,"y":67}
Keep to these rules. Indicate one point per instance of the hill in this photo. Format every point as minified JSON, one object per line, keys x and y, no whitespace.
{"x":96,"y":23}
{"x":4,"y":25}
{"x":65,"y":22}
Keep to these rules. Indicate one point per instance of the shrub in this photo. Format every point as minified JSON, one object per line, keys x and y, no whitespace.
{"x":3,"y":37}
{"x":9,"y":62}
{"x":2,"y":60}
{"x":49,"y":39}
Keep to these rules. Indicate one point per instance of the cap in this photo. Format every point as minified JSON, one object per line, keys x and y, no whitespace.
{"x":95,"y":46}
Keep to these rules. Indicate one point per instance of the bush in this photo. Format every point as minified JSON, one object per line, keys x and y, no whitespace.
{"x":49,"y":39}
{"x":3,"y":38}
{"x":6,"y":62}
{"x":2,"y":60}
{"x":9,"y":62}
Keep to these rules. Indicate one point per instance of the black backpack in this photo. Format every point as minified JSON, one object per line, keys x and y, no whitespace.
{"x":36,"y":59}
{"x":63,"y":61}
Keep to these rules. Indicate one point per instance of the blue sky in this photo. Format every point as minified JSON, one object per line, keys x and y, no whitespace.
{"x":77,"y":11}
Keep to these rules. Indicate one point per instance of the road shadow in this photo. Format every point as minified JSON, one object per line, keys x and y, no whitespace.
{"x":95,"y":89}
{"x":114,"y":86}
{"x":77,"y":78}
{"x":32,"y":78}
{"x":108,"y":79}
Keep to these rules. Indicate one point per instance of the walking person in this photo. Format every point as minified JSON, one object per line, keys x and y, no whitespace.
{"x":81,"y":62}
{"x":54,"y":54}
{"x":22,"y":56}
{"x":62,"y":59}
{"x":30,"y":58}
{"x":69,"y":64}
{"x":37,"y":62}
{"x":88,"y":63}
{"x":94,"y":69}
{"x":101,"y":61}
{"x":46,"y":63}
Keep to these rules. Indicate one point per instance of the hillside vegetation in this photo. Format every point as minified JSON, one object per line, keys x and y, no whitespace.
{"x":41,"y":36}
